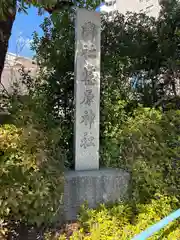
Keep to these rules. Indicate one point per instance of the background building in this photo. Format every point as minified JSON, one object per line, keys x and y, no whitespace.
{"x":150,"y":7}
{"x":11,"y":74}
{"x":109,"y":7}
{"x":11,"y":77}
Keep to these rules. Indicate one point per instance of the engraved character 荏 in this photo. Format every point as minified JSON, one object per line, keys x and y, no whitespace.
{"x":88,"y":118}
{"x":87,"y":141}
{"x":88,"y":97}
{"x":90,"y":75}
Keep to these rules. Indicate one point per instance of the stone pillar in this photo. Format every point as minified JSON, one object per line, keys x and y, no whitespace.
{"x":87,"y":90}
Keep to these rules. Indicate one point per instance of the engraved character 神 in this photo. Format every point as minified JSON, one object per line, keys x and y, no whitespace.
{"x":88,"y":118}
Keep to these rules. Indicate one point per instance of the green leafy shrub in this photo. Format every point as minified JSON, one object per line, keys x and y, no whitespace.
{"x":31,"y":160}
{"x":31,"y":178}
{"x":113,"y":115}
{"x":124,"y":221}
{"x":147,"y":144}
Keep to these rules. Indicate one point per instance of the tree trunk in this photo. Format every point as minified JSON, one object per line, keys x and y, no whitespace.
{"x":5,"y":32}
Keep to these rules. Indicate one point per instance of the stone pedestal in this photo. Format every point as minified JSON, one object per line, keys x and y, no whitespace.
{"x":95,"y":187}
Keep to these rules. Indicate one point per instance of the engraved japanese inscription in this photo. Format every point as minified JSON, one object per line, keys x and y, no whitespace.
{"x":88,"y":50}
{"x":88,"y":97}
{"x":87,"y":141}
{"x":88,"y":118}
{"x":90,"y":75}
{"x":87,"y":90}
{"x":89,"y":31}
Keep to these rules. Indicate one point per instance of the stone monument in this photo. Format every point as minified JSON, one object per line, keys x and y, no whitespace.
{"x":87,"y":90}
{"x":88,"y":182}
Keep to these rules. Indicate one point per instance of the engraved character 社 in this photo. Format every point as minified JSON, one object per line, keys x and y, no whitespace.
{"x":88,"y":118}
{"x":87,"y":141}
{"x":88,"y":50}
{"x":88,"y":97}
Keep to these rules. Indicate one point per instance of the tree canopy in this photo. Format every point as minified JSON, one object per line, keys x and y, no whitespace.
{"x":9,"y":8}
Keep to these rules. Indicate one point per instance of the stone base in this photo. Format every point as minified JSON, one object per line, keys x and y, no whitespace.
{"x":94,"y":187}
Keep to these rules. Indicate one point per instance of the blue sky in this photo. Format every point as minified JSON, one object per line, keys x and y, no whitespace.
{"x":22,"y":31}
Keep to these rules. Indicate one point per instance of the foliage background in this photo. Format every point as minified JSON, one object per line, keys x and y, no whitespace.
{"x":139,"y":127}
{"x":126,"y":221}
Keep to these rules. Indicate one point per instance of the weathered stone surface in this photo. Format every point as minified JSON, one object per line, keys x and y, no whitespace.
{"x":87,"y":90}
{"x":98,"y":186}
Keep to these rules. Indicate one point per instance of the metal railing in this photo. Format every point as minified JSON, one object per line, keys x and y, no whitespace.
{"x":158,"y":226}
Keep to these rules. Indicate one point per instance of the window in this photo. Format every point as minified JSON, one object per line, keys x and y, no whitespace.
{"x":143,"y":1}
{"x":110,"y":3}
{"x":110,"y":13}
{"x":149,"y":8}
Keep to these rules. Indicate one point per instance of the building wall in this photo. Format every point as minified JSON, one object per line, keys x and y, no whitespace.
{"x":150,"y":7}
{"x":11,"y":75}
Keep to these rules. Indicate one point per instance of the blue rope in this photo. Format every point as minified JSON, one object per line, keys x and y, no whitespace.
{"x":158,"y":226}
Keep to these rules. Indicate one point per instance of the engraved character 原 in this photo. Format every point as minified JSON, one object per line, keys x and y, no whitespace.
{"x":88,"y":97}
